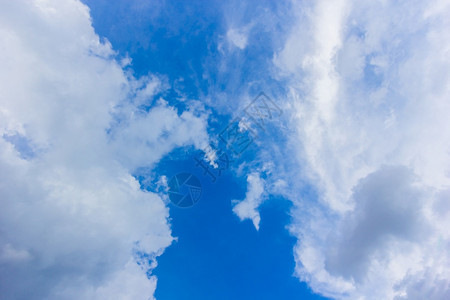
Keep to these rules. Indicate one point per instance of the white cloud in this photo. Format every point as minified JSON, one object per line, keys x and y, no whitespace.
{"x":370,"y":85}
{"x":8,"y":253}
{"x":72,"y":217}
{"x":247,"y":208}
{"x":156,"y":132}
{"x":238,"y":37}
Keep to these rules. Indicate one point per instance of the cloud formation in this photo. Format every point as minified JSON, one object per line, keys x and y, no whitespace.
{"x":248,"y":208}
{"x":238,"y":38}
{"x":369,"y":83}
{"x":73,"y":126}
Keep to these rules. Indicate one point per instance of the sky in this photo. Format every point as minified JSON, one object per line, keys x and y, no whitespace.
{"x":224,"y":150}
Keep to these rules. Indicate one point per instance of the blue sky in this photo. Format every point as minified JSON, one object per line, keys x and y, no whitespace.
{"x":342,"y":193}
{"x":219,"y":257}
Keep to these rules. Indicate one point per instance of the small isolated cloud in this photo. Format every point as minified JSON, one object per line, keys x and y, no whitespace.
{"x":248,"y":208}
{"x":238,"y":37}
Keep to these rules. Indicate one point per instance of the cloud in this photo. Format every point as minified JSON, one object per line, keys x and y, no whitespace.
{"x":73,"y":127}
{"x":374,"y":251}
{"x":156,"y":132}
{"x":387,"y":206}
{"x":247,"y":208}
{"x":370,"y":97}
{"x":238,"y":38}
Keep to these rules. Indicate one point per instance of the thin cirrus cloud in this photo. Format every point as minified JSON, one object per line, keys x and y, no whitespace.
{"x":370,"y":85}
{"x":74,"y":222}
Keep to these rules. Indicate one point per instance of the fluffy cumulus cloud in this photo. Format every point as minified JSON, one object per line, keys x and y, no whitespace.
{"x":73,"y":127}
{"x":369,"y":82}
{"x":247,"y":208}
